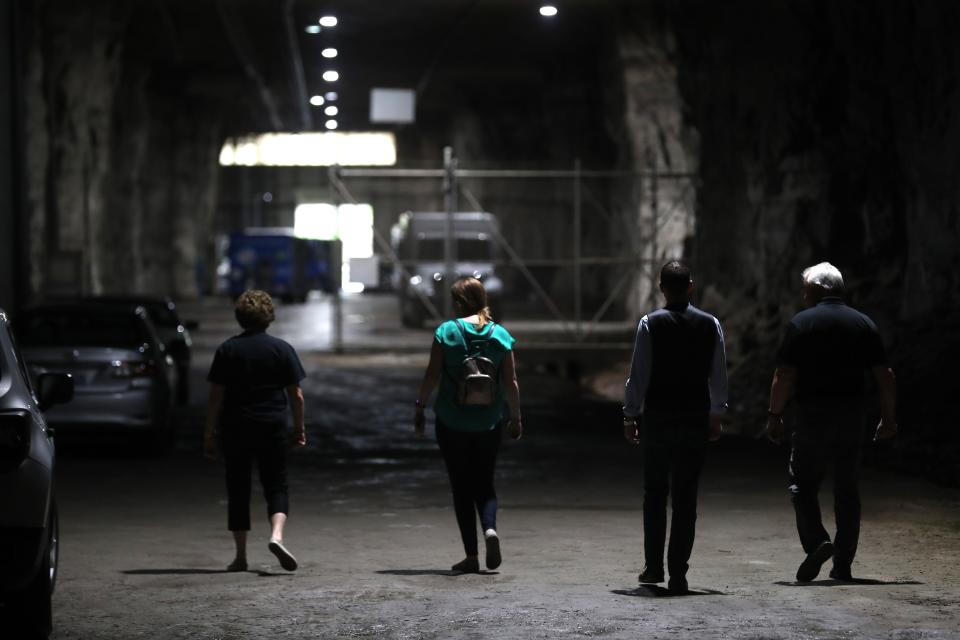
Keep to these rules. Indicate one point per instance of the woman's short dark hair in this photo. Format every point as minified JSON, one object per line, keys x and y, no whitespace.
{"x":254,"y":309}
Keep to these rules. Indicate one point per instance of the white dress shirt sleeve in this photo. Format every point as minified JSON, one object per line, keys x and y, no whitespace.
{"x":636,"y":388}
{"x":718,"y":375}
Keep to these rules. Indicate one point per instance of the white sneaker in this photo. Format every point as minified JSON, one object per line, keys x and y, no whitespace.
{"x":287,"y":561}
{"x":493,"y":549}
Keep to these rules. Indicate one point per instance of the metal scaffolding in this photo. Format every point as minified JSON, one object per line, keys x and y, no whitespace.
{"x":647,"y":214}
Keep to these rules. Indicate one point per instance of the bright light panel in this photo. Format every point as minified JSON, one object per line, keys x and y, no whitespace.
{"x":328,"y":21}
{"x":312,"y":29}
{"x":331,"y":111}
{"x":547,"y":11}
{"x":330,"y":124}
{"x":331,"y":96}
{"x":316,"y":100}
{"x":329,"y":52}
{"x":311,"y":149}
{"x":352,"y":224}
{"x":331,"y":76}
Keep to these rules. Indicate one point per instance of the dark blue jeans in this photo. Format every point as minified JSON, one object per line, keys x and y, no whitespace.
{"x":471,"y":458}
{"x":673,"y":455}
{"x":827,"y":439}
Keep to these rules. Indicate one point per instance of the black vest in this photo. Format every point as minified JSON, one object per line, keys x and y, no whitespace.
{"x":683,"y":340}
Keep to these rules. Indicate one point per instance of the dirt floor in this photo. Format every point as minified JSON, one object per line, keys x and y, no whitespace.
{"x":144,"y":542}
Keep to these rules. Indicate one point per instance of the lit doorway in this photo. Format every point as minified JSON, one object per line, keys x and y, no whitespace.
{"x":351,"y":224}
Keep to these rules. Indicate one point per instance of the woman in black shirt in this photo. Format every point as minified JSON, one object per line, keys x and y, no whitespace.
{"x":252,"y":378}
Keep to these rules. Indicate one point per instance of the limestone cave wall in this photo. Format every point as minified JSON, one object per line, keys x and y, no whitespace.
{"x":120,"y":169}
{"x":825,"y":131}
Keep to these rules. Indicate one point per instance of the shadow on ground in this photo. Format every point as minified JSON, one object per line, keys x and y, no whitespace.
{"x":432,"y":572}
{"x":840,"y":583}
{"x":172,"y":572}
{"x":654,"y":591}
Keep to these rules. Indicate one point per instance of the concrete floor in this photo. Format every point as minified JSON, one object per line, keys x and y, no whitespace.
{"x":144,"y":541}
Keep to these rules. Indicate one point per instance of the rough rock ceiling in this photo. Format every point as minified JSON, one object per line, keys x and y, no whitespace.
{"x":250,"y":52}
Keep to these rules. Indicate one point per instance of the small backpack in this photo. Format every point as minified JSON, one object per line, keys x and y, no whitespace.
{"x":477,"y":381}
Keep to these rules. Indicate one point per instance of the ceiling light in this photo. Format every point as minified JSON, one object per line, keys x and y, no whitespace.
{"x":331,"y":76}
{"x":547,"y":10}
{"x":331,"y":124}
{"x":312,"y":29}
{"x":329,"y":52}
{"x":316,"y":100}
{"x":328,"y":21}
{"x":331,"y":96}
{"x":331,"y":110}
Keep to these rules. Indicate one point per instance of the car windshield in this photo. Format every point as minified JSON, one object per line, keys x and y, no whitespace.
{"x":468,"y":250}
{"x":80,"y":328}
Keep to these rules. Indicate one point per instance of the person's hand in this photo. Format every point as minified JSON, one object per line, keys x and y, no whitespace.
{"x":885,"y":430}
{"x":210,"y":446}
{"x":631,"y":430}
{"x":515,"y":428}
{"x":419,"y":422}
{"x":300,"y":437}
{"x":775,"y":429}
{"x":715,"y":428}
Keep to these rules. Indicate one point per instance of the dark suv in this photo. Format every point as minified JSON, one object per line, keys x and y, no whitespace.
{"x":28,"y":508}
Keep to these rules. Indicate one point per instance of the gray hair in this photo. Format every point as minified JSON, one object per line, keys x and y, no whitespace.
{"x":823,"y":275}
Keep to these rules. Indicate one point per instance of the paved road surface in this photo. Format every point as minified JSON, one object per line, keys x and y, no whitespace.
{"x":144,"y":541}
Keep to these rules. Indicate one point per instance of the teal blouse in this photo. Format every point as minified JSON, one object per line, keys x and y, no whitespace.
{"x":450,"y":338}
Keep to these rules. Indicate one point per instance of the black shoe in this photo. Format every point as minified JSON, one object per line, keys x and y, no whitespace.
{"x":493,"y":552}
{"x":677,"y":585}
{"x":650,"y":576}
{"x":470,"y":564}
{"x":238,"y":564}
{"x":810,"y":567}
{"x":841,"y":574}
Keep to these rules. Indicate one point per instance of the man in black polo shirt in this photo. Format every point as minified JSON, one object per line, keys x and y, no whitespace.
{"x":826,"y":351}
{"x":678,"y":383}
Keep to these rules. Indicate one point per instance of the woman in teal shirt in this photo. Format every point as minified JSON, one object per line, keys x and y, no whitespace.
{"x":469,"y":435}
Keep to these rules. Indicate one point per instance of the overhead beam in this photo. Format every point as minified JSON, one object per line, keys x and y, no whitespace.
{"x":242,"y":51}
{"x":296,"y":61}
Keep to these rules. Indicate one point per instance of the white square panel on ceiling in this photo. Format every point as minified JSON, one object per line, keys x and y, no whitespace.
{"x":395,"y":106}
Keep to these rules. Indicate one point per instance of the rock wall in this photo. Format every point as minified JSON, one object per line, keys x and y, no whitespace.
{"x":826,"y":131}
{"x":121,"y":173}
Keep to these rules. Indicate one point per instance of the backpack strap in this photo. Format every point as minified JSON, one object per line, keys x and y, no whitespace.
{"x":466,"y":341}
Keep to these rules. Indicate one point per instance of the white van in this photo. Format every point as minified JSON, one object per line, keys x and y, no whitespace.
{"x":418,"y":239}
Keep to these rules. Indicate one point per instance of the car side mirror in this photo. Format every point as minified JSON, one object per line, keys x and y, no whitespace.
{"x":191,"y":325}
{"x":54,"y":388}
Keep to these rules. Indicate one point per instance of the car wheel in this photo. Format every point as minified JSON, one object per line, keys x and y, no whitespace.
{"x":160,"y":438}
{"x":31,"y":608}
{"x":183,"y":386}
{"x":411,"y":315}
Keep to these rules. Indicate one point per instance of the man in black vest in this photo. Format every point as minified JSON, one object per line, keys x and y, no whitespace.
{"x":823,"y":357}
{"x":678,"y":384}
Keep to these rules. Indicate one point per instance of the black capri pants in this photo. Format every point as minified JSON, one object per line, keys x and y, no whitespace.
{"x":263,"y":442}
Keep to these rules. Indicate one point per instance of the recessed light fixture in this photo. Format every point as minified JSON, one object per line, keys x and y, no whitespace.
{"x":331,"y":110}
{"x":312,"y":29}
{"x":331,"y":76}
{"x":329,"y":52}
{"x":316,"y":100}
{"x":328,"y":21}
{"x":331,"y":96}
{"x":331,"y":124}
{"x":547,"y":11}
